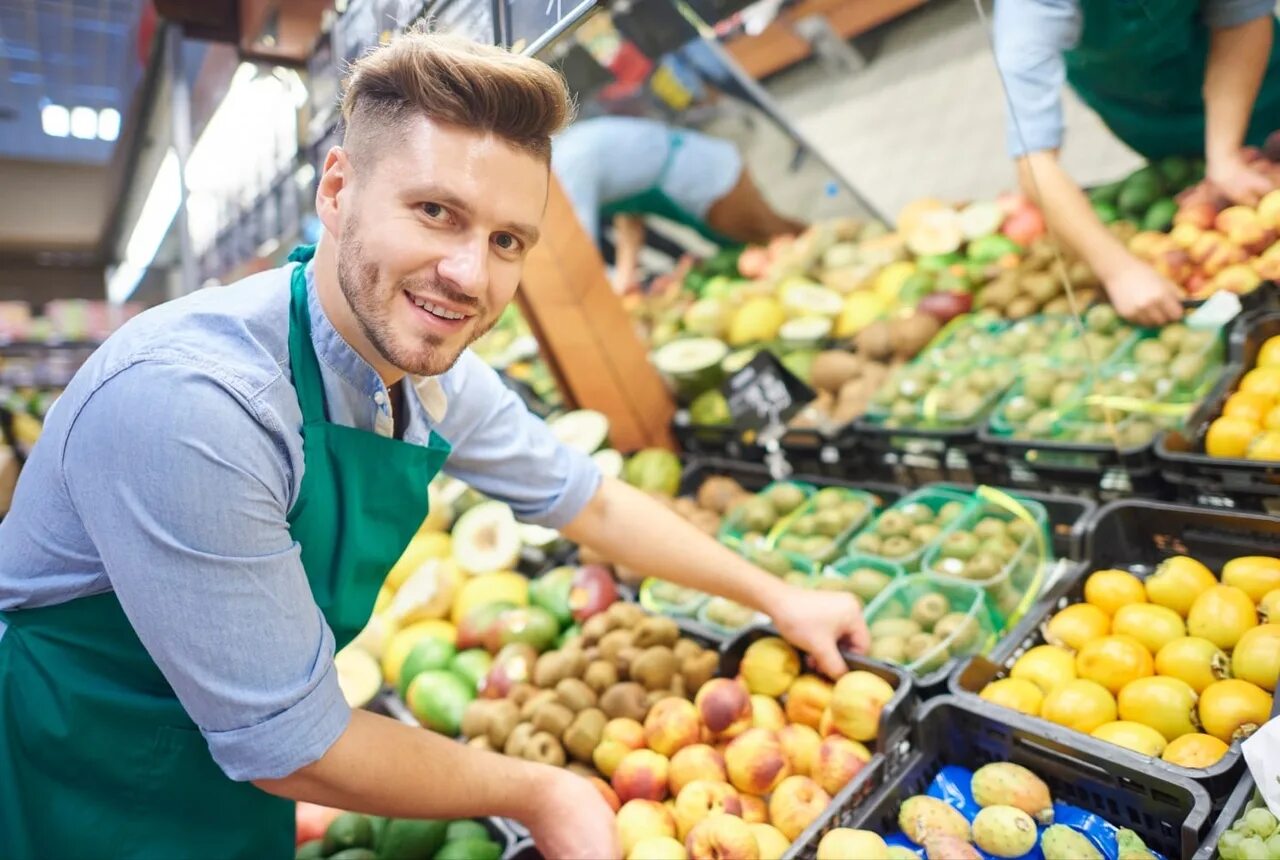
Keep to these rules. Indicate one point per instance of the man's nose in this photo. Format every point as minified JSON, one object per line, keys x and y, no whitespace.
{"x":466,"y":266}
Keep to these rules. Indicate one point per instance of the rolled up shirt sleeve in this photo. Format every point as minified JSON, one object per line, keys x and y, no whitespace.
{"x":1232,"y":13}
{"x":506,"y":452}
{"x":1030,"y":38}
{"x":184,"y":491}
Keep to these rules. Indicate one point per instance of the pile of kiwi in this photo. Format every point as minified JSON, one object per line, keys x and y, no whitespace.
{"x":982,"y":552}
{"x":1035,"y":285}
{"x":925,"y":394}
{"x":624,"y":661}
{"x":1104,"y":333}
{"x":817,"y":534}
{"x":755,"y":517}
{"x":925,"y":634}
{"x":906,"y":529}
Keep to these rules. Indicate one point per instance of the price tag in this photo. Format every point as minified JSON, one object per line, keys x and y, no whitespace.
{"x":764,"y":393}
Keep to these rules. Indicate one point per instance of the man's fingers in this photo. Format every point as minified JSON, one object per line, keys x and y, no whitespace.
{"x":827,"y":655}
{"x":859,"y":635}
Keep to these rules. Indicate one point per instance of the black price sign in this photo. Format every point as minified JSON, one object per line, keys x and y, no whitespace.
{"x":764,"y":393}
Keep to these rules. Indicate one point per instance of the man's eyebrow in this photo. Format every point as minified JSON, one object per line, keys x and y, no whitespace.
{"x":527,"y":233}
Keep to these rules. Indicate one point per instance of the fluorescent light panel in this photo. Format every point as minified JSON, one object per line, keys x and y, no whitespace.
{"x":80,"y":122}
{"x":55,"y":120}
{"x":84,"y":123}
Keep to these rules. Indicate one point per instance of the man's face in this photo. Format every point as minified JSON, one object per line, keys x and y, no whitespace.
{"x":432,"y":240}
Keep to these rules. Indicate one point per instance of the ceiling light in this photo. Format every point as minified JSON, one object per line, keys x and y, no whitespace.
{"x":84,"y":123}
{"x":108,"y":124}
{"x":55,"y":120}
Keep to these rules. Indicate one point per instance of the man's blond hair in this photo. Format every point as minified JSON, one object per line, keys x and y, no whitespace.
{"x":456,"y":82}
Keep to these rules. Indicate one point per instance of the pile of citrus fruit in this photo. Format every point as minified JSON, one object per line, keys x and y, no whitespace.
{"x":1175,"y":666}
{"x":1249,"y":426}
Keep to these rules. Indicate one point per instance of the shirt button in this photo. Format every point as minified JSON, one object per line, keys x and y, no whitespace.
{"x":379,"y":398}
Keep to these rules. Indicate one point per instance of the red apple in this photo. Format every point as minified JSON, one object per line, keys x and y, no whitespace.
{"x":945,"y":306}
{"x":513,"y":665}
{"x":593,"y":591}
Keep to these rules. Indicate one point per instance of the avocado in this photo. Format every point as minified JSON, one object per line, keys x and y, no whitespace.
{"x":313,"y":850}
{"x":1106,"y":212}
{"x":354,"y":854}
{"x":1177,"y":171}
{"x":470,"y":849}
{"x":465,"y":828}
{"x":348,"y":830}
{"x":1160,"y":214}
{"x":1106,"y":193}
{"x":1137,"y":197}
{"x":410,"y":839}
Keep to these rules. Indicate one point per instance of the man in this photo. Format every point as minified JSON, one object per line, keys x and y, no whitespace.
{"x":623,"y":167}
{"x":224,"y":484}
{"x":1168,"y":77}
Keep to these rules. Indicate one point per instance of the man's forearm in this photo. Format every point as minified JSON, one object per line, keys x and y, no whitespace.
{"x":1069,"y":214}
{"x":1237,"y":62}
{"x":382,"y":767}
{"x":628,"y":527}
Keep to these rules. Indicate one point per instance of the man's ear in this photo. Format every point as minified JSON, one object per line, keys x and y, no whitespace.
{"x":334,"y":179}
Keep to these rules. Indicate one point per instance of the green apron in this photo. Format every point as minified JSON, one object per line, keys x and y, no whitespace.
{"x":98,"y":758}
{"x":654,"y":201}
{"x":1140,"y":64}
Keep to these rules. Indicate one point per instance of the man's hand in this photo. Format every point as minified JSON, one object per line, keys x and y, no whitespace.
{"x":1238,"y":180}
{"x":571,"y":820}
{"x":1141,"y":295}
{"x":820,"y":623}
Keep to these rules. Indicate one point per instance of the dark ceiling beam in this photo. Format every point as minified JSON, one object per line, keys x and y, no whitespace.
{"x":281,"y":32}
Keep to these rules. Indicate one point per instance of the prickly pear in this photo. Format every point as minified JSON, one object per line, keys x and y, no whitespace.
{"x":899,"y":852}
{"x":1004,"y":831}
{"x":922,"y":816}
{"x":1007,"y":784}
{"x":1132,"y":847}
{"x":1060,"y":842}
{"x":949,"y":848}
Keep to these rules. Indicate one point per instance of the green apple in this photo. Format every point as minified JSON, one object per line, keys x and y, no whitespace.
{"x":471,"y":665}
{"x":437,"y":699}
{"x":429,"y":653}
{"x":551,"y":592}
{"x":531,"y":625}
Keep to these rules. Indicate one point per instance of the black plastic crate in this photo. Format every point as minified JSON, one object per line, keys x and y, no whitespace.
{"x":1237,"y":483}
{"x":756,"y":476}
{"x":713,"y":440}
{"x":891,"y":738}
{"x":915,"y":456}
{"x":1231,"y":810}
{"x":831,"y":455}
{"x":1135,"y":536}
{"x":1069,"y":516}
{"x":1168,"y":812}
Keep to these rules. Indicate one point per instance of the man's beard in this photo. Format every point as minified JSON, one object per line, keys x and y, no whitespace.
{"x":358,"y":280}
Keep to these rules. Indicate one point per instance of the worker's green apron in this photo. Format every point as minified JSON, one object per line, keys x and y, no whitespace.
{"x":654,"y":201}
{"x":1140,"y":64}
{"x":98,"y":758}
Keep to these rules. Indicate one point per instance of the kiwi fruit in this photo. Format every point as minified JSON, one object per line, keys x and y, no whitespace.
{"x":928,"y":609}
{"x":925,"y":533}
{"x":537,"y":700}
{"x":482,"y":743}
{"x":949,"y":512}
{"x":594,"y":629}
{"x":982,"y":566}
{"x":544,"y":748}
{"x":902,"y":627}
{"x":961,"y":629}
{"x":1020,"y":530}
{"x":626,"y":699}
{"x":517,"y":739}
{"x":575,"y":695}
{"x":625,"y":616}
{"x":551,"y":668}
{"x":868,"y":542}
{"x":678,"y":688}
{"x":655,"y":696}
{"x":894,"y":524}
{"x":698,"y":669}
{"x":613,"y":643}
{"x":600,"y":676}
{"x":685,"y":648}
{"x":917,"y":512}
{"x":578,"y":662}
{"x":891,"y":649}
{"x":552,"y":717}
{"x":654,"y":668}
{"x":504,"y":716}
{"x":625,"y":658}
{"x":583,"y":734}
{"x":921,"y":647}
{"x":867,"y":582}
{"x":655,"y":630}
{"x":989,"y":527}
{"x":476,"y":717}
{"x":897,"y":546}
{"x":1002,"y":548}
{"x":521,"y":693}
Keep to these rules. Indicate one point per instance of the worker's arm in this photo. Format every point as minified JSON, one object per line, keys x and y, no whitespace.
{"x":1030,"y":38}
{"x":382,"y":767}
{"x":627,"y":526}
{"x":183,"y":490}
{"x":628,"y":235}
{"x":1240,"y":48}
{"x":1138,"y":292}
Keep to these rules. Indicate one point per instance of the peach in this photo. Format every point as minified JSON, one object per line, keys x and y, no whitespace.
{"x":620,"y":736}
{"x":807,"y":699}
{"x":839,"y":760}
{"x":772,"y":844}
{"x":1268,"y":266}
{"x":842,"y":843}
{"x":643,"y":819}
{"x":723,"y":837}
{"x":856,"y":703}
{"x":1269,"y":210}
{"x":642,"y":774}
{"x":1174,"y":265}
{"x":672,"y":725}
{"x":1240,"y":278}
{"x":606,"y":791}
{"x":755,"y":761}
{"x":754,"y":809}
{"x":766,"y":713}
{"x":1147,"y":244}
{"x":701,"y":798}
{"x":658,"y":848}
{"x":1238,"y":221}
{"x":1204,"y":245}
{"x":800,"y":745}
{"x":1185,"y":235}
{"x":796,"y":804}
{"x":696,"y":762}
{"x":826,"y":725}
{"x":1200,"y":213}
{"x":769,"y":666}
{"x":1223,"y":254}
{"x":725,"y":706}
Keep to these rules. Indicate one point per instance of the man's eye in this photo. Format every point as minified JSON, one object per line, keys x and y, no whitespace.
{"x":507,"y":242}
{"x":434,"y":210}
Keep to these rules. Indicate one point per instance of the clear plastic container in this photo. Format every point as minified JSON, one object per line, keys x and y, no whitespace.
{"x":960,"y":624}
{"x":719,"y":613}
{"x":959,"y":342}
{"x":822,"y":527}
{"x":858,"y":574}
{"x":736,"y":531}
{"x":869,"y":543}
{"x":1191,"y":360}
{"x":1003,"y":548}
{"x":665,"y":598}
{"x":930,"y":397}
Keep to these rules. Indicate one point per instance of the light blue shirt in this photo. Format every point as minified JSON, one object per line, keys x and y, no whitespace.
{"x":167,"y":469}
{"x":1030,"y":38}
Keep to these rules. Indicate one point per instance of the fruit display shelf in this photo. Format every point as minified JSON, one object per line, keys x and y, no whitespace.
{"x":1232,"y":482}
{"x":891,"y":738}
{"x":1134,"y":536}
{"x":1168,"y":812}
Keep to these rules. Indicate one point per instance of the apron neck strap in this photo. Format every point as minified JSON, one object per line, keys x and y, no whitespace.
{"x":302,"y":355}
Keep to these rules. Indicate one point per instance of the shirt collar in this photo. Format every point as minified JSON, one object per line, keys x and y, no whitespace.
{"x":337,"y":355}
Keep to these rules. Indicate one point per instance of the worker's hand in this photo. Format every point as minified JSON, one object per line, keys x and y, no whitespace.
{"x":1238,"y":180}
{"x":571,"y":820}
{"x":821,"y":623}
{"x":1142,"y":296}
